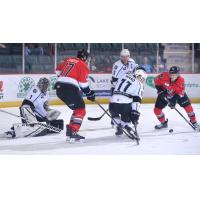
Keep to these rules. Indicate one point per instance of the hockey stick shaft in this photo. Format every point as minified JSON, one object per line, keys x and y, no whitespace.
{"x":184,"y":118}
{"x":52,"y":128}
{"x":181,"y":115}
{"x":131,"y":137}
{"x":97,"y":118}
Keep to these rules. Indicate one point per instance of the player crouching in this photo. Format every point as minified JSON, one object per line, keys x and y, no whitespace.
{"x":171,"y":90}
{"x":34,"y":109}
{"x":126,"y":99}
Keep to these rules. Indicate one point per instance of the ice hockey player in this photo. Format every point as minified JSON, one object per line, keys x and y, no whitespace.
{"x":122,"y":66}
{"x":72,"y":78}
{"x":171,"y":90}
{"x":34,"y":109}
{"x":126,"y":99}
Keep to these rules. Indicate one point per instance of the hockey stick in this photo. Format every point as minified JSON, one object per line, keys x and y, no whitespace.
{"x":181,"y":115}
{"x":52,"y":128}
{"x":184,"y":118}
{"x":97,"y":118}
{"x":129,"y":135}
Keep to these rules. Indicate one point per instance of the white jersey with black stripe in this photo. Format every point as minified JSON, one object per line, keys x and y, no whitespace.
{"x":128,"y":89}
{"x":119,"y":69}
{"x":38,"y":99}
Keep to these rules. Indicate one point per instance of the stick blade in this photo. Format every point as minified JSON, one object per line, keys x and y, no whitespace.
{"x":94,"y":119}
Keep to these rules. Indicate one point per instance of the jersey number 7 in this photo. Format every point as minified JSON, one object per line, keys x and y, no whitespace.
{"x":66,"y":71}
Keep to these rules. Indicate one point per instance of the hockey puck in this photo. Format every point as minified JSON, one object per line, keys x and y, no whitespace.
{"x":171,"y":130}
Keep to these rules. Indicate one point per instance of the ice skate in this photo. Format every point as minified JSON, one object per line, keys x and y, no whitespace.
{"x":73,"y":136}
{"x":162,"y":125}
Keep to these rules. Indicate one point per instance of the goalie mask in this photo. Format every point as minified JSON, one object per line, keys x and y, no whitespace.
{"x":43,"y":84}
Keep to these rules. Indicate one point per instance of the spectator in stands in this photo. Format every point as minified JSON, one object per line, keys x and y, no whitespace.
{"x":161,"y":64}
{"x":38,"y":49}
{"x":27,"y":53}
{"x":148,"y":67}
{"x":161,"y":67}
{"x":92,"y":64}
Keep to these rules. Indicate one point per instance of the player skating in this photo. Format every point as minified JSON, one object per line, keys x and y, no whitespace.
{"x":73,"y":74}
{"x":171,"y":90}
{"x":34,"y":109}
{"x":122,"y":66}
{"x":126,"y":99}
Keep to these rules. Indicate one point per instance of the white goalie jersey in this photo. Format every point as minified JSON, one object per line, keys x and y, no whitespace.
{"x":38,"y":99}
{"x":128,"y":89}
{"x":119,"y":69}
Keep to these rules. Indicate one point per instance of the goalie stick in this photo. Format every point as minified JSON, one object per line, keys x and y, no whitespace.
{"x":52,"y":128}
{"x":97,"y":118}
{"x":132,"y":136}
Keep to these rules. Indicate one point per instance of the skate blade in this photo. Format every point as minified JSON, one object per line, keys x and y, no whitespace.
{"x":74,"y":141}
{"x":67,"y":138}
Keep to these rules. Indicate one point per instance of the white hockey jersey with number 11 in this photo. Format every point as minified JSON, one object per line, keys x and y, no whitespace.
{"x":128,"y":90}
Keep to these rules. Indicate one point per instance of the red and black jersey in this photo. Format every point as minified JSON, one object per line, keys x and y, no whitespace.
{"x":164,"y":82}
{"x":74,"y":71}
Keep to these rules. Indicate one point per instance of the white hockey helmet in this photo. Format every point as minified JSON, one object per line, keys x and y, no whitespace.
{"x":125,"y":52}
{"x":140,"y":74}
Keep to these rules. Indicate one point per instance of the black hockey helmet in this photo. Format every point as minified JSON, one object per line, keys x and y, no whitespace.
{"x":174,"y":70}
{"x":82,"y":54}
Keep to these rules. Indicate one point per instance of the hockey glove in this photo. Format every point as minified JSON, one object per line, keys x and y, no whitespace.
{"x":173,"y":101}
{"x":162,"y":94}
{"x":91,"y":95}
{"x":135,"y":116}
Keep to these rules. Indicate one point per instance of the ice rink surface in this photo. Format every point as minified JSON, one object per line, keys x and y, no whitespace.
{"x":101,"y":139}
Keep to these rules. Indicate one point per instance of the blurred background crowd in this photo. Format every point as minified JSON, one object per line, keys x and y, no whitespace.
{"x":17,"y":58}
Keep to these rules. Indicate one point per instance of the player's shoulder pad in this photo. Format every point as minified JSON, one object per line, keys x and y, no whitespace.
{"x":131,"y":60}
{"x":117,"y":63}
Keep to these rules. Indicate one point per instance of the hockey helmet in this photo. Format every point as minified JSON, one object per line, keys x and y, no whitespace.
{"x":174,"y":70}
{"x":43,"y":84}
{"x":82,"y":54}
{"x":140,"y":74}
{"x":125,"y":52}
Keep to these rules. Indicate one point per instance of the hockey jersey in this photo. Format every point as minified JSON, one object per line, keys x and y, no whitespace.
{"x":163,"y":82}
{"x":38,"y":100}
{"x":128,"y":90}
{"x":73,"y":71}
{"x":119,"y":69}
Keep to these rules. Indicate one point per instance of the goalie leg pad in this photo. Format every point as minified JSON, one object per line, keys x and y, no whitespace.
{"x":29,"y":115}
{"x":23,"y":130}
{"x":59,"y":123}
{"x":53,"y":114}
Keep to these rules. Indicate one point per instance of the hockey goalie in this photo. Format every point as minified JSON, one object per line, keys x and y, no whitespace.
{"x":35,"y":110}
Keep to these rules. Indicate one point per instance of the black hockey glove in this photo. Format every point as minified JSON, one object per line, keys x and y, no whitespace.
{"x":135,"y":116}
{"x":173,"y":101}
{"x":163,"y":94}
{"x":91,"y":95}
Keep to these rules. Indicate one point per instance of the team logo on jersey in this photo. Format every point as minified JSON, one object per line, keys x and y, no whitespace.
{"x":1,"y":90}
{"x":51,"y":90}
{"x":24,"y":86}
{"x":150,"y":81}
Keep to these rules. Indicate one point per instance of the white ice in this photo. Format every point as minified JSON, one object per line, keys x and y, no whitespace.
{"x":101,"y":139}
